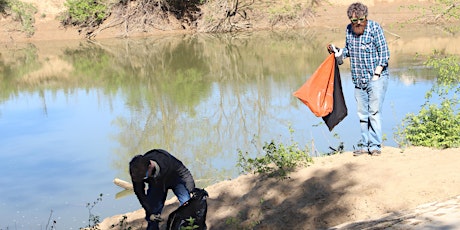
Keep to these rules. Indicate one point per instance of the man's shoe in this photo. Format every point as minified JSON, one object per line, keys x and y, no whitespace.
{"x":376,"y":152}
{"x":360,"y":152}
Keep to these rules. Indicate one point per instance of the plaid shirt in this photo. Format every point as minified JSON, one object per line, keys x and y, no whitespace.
{"x":366,"y":52}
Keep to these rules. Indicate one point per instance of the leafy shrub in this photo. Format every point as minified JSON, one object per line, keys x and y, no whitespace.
{"x":276,"y":160}
{"x":85,"y":12}
{"x":436,"y":125}
{"x":22,"y":12}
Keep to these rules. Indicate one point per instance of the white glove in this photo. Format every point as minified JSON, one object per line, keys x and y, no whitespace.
{"x":337,"y":51}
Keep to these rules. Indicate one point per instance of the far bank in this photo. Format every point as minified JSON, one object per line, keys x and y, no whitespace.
{"x":327,"y":15}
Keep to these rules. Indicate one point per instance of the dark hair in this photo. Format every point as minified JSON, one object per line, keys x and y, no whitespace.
{"x":358,"y":9}
{"x":137,"y":167}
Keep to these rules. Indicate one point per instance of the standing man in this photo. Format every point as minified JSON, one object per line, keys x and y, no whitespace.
{"x":366,"y":46}
{"x":161,"y":171}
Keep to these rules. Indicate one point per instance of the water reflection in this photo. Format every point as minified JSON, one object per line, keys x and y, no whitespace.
{"x":72,"y":114}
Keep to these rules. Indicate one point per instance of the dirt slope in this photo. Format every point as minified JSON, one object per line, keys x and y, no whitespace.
{"x":332,"y":191}
{"x":328,"y":14}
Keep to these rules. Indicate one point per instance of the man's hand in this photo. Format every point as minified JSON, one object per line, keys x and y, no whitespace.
{"x":332,"y":49}
{"x":377,"y":72}
{"x":156,"y":217}
{"x":337,"y":53}
{"x":195,"y":190}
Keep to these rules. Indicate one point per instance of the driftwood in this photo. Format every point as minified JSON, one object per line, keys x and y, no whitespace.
{"x":124,"y":184}
{"x":445,"y":11}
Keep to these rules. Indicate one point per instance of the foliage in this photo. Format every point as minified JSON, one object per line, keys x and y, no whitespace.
{"x":93,"y":220}
{"x":339,"y":150}
{"x":436,"y":125}
{"x":448,"y":9}
{"x":448,"y":68}
{"x":22,"y":12}
{"x":283,"y":13}
{"x":277,"y":159}
{"x":441,"y":12}
{"x":159,"y":14}
{"x":85,"y":13}
{"x":190,"y":225}
{"x":123,"y":224}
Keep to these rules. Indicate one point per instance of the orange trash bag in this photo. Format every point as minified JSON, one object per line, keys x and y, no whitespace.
{"x":317,"y":91}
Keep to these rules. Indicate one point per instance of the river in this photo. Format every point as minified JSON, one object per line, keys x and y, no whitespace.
{"x":73,"y":113}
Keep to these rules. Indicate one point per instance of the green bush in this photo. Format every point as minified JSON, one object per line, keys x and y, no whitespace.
{"x":85,"y":12}
{"x":277,"y":159}
{"x":22,"y":12}
{"x":436,"y":125}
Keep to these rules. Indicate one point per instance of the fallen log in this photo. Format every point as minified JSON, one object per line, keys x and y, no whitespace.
{"x":124,"y":184}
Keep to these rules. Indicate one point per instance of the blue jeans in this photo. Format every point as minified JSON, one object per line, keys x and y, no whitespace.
{"x":157,"y":196}
{"x":369,"y":101}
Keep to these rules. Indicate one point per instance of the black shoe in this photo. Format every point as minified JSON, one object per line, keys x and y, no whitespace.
{"x":376,"y":152}
{"x":360,"y":152}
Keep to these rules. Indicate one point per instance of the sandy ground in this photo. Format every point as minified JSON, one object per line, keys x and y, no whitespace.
{"x":418,"y":188}
{"x":339,"y":192}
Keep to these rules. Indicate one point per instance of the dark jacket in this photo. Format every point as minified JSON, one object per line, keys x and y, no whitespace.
{"x":171,"y":172}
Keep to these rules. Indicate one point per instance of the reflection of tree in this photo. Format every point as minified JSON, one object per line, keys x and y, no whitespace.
{"x":231,"y":111}
{"x":14,"y":64}
{"x":199,"y":96}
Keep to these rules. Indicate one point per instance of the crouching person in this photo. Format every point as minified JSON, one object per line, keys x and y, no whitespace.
{"x":161,"y":171}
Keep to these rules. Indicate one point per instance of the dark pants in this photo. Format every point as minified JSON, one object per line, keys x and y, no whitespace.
{"x":157,"y":196}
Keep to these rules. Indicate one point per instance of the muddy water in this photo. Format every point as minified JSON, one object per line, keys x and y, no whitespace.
{"x":73,"y":113}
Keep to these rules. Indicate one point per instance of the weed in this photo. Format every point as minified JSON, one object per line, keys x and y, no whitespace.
{"x":123,"y":224}
{"x":53,"y":225}
{"x":340,"y":149}
{"x":93,"y":220}
{"x":191,"y":224}
{"x":277,"y":159}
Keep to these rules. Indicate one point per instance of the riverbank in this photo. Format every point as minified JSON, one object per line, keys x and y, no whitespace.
{"x":335,"y":190}
{"x":329,"y":15}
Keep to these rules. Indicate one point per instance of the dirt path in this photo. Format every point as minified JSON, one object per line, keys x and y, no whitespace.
{"x":435,"y":215}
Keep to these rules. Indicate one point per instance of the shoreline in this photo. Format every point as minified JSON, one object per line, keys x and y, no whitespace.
{"x":328,"y":16}
{"x":339,"y":190}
